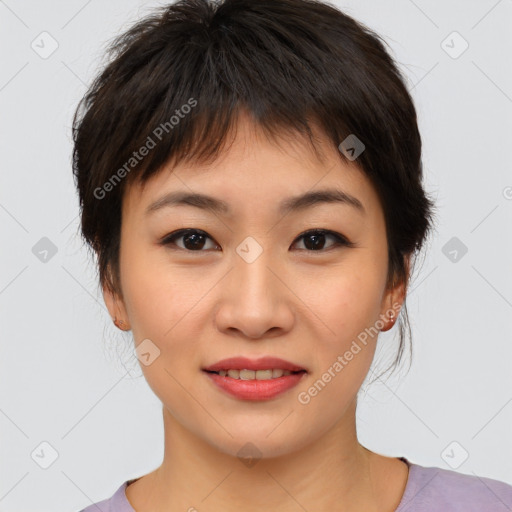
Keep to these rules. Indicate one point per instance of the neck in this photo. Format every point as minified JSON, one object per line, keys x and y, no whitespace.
{"x":332,"y":473}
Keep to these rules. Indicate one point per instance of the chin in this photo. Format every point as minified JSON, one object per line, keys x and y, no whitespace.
{"x":254,"y":442}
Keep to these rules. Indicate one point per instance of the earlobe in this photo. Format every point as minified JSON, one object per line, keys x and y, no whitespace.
{"x":393,"y":302}
{"x":391,"y":315}
{"x":116,"y":308}
{"x":121,"y":325}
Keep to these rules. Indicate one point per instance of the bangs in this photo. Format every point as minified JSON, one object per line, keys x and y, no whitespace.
{"x":178,"y":95}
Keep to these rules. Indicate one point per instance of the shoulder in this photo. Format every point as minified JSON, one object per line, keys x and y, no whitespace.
{"x":432,"y":488}
{"x":116,"y":503}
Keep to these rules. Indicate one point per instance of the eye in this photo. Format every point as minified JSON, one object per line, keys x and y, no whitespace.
{"x":194,"y":240}
{"x":314,"y":240}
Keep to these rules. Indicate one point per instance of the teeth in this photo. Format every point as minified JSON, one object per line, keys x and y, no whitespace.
{"x":252,"y":374}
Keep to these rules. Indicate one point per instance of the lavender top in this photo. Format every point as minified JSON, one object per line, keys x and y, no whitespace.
{"x":428,"y":489}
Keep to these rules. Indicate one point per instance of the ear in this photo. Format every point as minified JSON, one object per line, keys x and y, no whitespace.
{"x":393,"y":300}
{"x":116,"y":307}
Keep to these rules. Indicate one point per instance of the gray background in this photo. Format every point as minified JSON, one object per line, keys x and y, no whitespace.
{"x":63,"y":381}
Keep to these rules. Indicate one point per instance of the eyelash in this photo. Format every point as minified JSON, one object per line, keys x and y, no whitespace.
{"x":340,"y":240}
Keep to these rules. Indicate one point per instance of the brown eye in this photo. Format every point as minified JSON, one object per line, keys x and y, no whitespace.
{"x":315,"y":240}
{"x":194,"y":240}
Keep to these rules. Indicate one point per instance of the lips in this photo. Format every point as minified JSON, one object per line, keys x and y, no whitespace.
{"x":263,"y":363}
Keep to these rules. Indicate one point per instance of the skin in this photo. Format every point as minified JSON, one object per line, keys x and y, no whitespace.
{"x":304,"y":305}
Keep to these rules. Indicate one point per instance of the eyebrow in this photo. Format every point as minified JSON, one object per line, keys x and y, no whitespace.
{"x":292,"y":204}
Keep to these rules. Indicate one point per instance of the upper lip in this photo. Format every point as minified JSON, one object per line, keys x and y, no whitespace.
{"x":263,"y":363}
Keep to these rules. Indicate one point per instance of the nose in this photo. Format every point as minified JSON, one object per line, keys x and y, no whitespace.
{"x":255,"y":302}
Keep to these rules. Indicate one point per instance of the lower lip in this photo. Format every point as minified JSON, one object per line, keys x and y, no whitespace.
{"x":256,"y":389}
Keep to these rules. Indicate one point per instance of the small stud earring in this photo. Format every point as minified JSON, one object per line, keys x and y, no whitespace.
{"x":118,"y":323}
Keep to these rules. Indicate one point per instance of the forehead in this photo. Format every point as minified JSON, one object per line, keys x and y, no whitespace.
{"x":255,"y":170}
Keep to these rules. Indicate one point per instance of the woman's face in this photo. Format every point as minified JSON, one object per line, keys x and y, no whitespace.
{"x":247,"y":282}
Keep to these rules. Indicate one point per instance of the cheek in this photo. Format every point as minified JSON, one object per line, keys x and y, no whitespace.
{"x":166,"y":304}
{"x":158,"y":296}
{"x":162,"y":307}
{"x":348,"y":299}
{"x":348,"y":305}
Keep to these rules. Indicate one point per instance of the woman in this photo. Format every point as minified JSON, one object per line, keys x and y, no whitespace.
{"x":250,"y":179}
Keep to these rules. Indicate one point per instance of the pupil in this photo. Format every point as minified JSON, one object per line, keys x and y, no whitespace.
{"x":317,"y":239}
{"x":197,"y":240}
